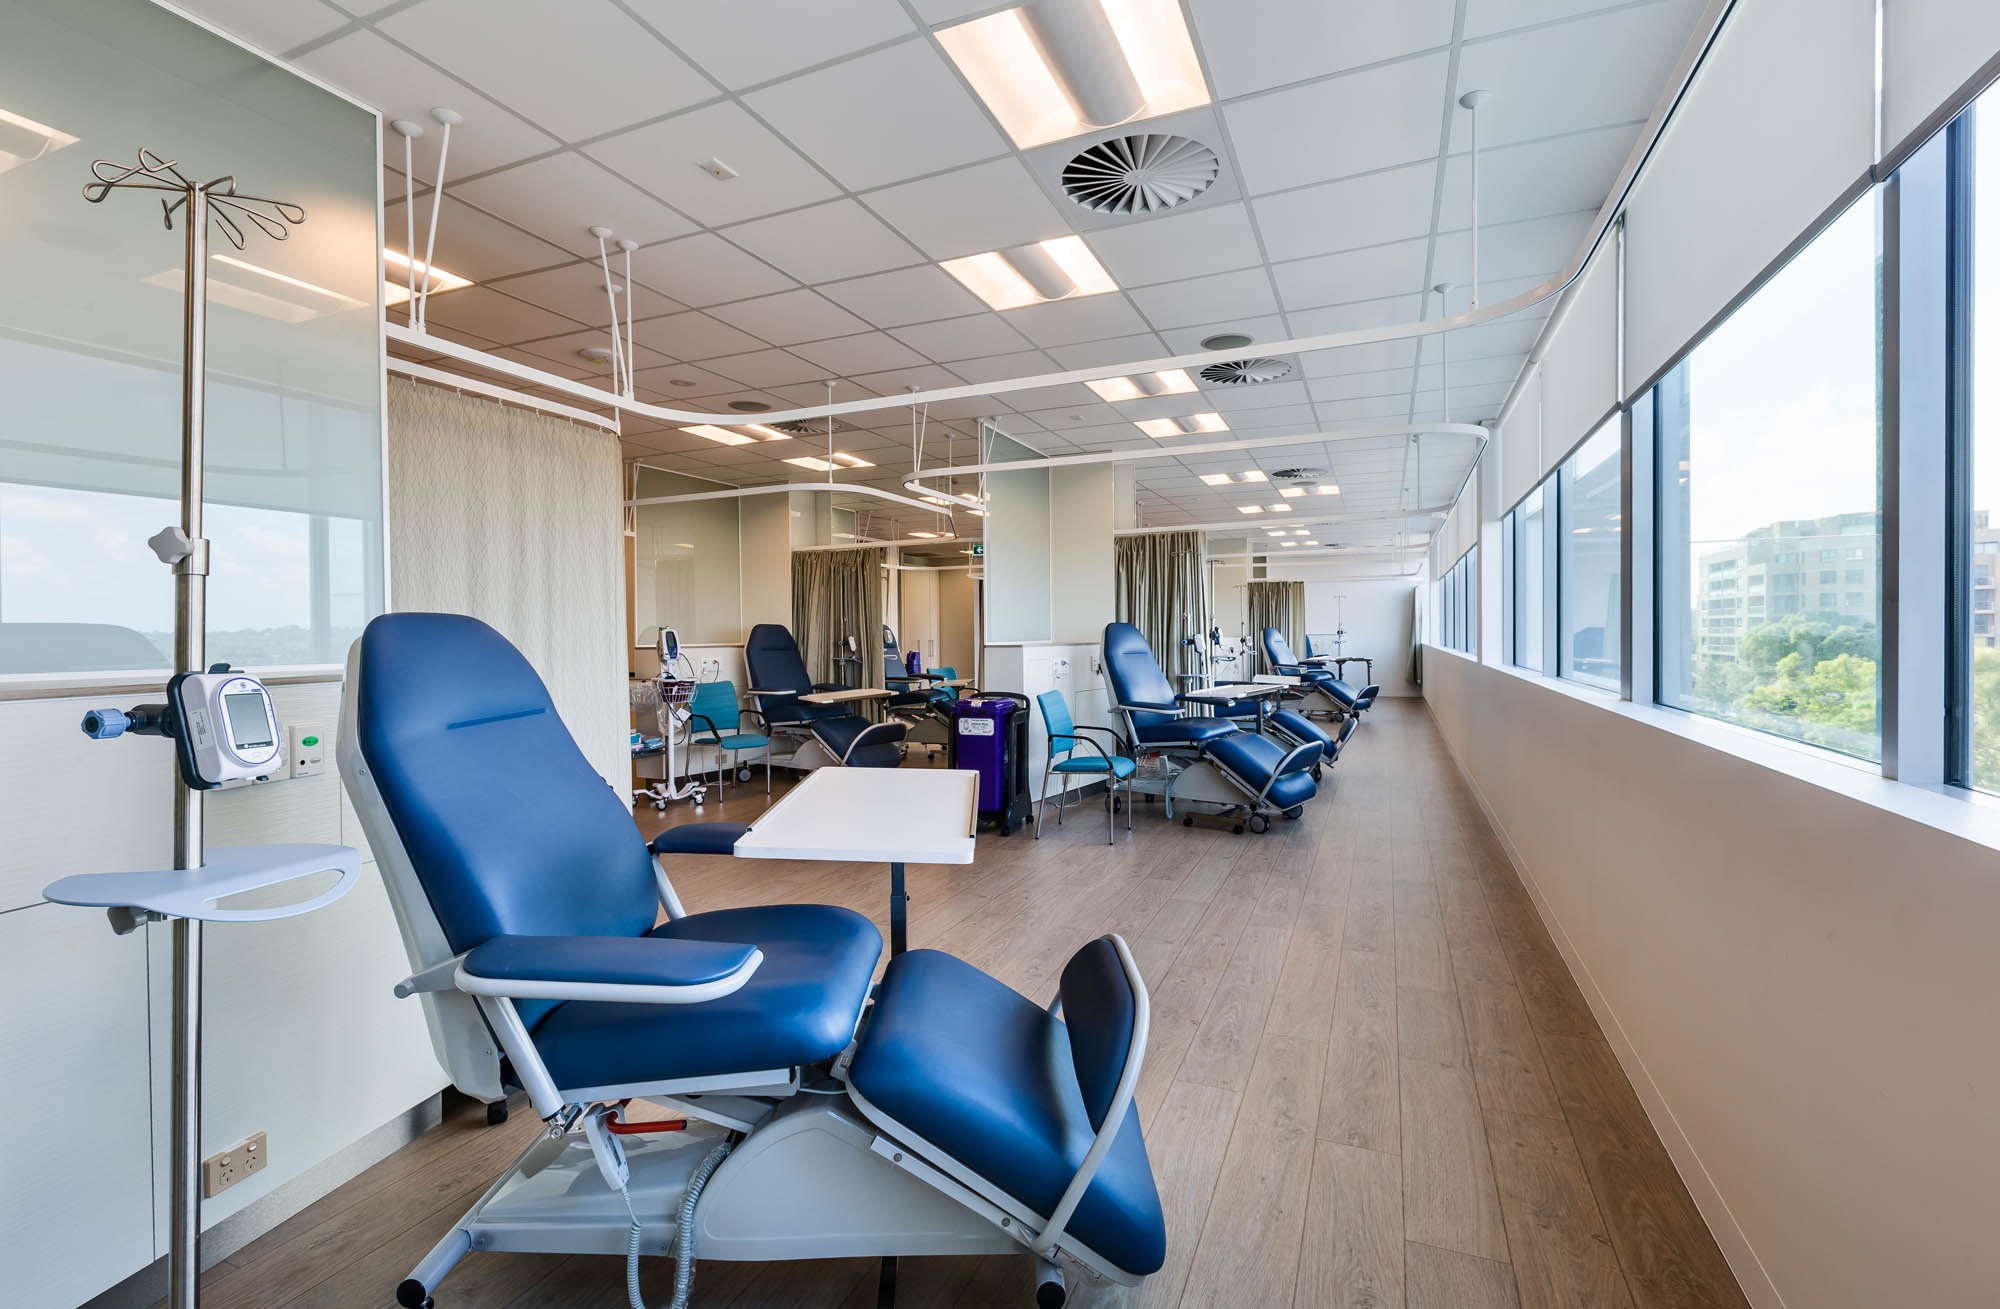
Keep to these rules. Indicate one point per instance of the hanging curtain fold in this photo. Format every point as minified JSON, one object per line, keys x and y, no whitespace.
{"x":1276,"y":604}
{"x":836,"y":594}
{"x":1163,"y":591}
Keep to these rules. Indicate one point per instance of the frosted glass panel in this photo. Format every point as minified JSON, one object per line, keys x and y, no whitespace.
{"x":688,"y":564}
{"x":90,"y":349}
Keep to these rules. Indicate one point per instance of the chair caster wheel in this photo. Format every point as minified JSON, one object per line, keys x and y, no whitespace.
{"x":1237,"y":830}
{"x":743,"y":774}
{"x":1295,"y":811}
{"x":1189,"y":821}
{"x":1051,"y":1295}
{"x":1259,"y":824}
{"x":1316,"y":773}
{"x":660,"y":805}
{"x":496,"y":1113}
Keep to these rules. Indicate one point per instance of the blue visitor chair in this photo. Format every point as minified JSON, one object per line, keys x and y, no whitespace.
{"x":717,"y":717}
{"x":1064,"y":761}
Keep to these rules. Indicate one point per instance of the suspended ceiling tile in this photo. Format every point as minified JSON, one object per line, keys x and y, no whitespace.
{"x":1374,"y":357}
{"x":471,"y":243}
{"x":1355,"y":317}
{"x":593,"y":71}
{"x":665,"y":158}
{"x":563,"y":348}
{"x":560,"y":197}
{"x":577,"y":291}
{"x":1065,"y":322}
{"x":929,"y":122}
{"x":962,"y":338}
{"x":989,"y":206}
{"x":926,"y":377}
{"x":744,"y":43}
{"x":660,"y":381}
{"x":704,"y":269}
{"x":692,"y":336}
{"x":868,"y":352}
{"x":1175,"y":246}
{"x":790,"y":317}
{"x":1254,"y":45}
{"x":907,"y":295}
{"x":1568,"y":77}
{"x":1114,"y":350}
{"x":1228,"y":400}
{"x":1530,"y":249}
{"x":1027,"y":363}
{"x":826,"y":242}
{"x":1355,"y":123}
{"x":1244,"y":293}
{"x":382,"y":74}
{"x":1365,"y":274}
{"x":1537,"y":178}
{"x":1262,"y":331}
{"x":762,"y":368}
{"x":1374,"y":210}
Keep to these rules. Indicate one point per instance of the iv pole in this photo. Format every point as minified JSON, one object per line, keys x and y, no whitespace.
{"x":186,"y":551}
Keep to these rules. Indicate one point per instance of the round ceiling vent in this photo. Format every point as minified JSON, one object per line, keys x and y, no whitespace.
{"x":809,"y":427}
{"x":749,"y":406}
{"x":1141,"y":174}
{"x":1299,"y":475}
{"x":1225,"y":341}
{"x":1243,"y":372}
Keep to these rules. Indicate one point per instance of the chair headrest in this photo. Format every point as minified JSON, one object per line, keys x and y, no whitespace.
{"x":773,"y":658}
{"x":1277,"y":647}
{"x":1135,"y":674}
{"x":508,"y":827}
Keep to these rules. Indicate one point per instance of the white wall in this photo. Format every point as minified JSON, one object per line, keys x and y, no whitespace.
{"x":1378,"y":616}
{"x":1082,"y":565}
{"x":1799,"y":981}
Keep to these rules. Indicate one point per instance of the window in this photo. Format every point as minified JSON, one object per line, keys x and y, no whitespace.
{"x":1979,"y":672}
{"x":1589,"y":514}
{"x":1526,"y":528}
{"x":1458,"y":604}
{"x":1769,"y":448}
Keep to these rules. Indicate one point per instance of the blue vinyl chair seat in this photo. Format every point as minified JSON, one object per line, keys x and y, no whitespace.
{"x":1184,"y":731}
{"x":742,"y":741}
{"x":987,"y":1076}
{"x":1118,"y":766}
{"x":1254,"y":758}
{"x":798,"y":1008}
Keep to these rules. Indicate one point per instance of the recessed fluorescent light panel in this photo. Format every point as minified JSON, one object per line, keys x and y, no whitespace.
{"x":1224,"y":479}
{"x":1249,"y":509}
{"x":1281,"y":508}
{"x":1173,"y":381}
{"x":819,"y":465}
{"x":395,"y":292}
{"x":1160,"y":428}
{"x":1291,"y":492}
{"x":1326,"y":488}
{"x":1216,"y":479}
{"x":721,"y":436}
{"x":1061,"y":268}
{"x":1059,"y":68}
{"x":1253,"y":475}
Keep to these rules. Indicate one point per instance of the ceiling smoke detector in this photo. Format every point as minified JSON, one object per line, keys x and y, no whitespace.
{"x":1299,"y":475}
{"x":1244,"y":372}
{"x":1141,"y":174}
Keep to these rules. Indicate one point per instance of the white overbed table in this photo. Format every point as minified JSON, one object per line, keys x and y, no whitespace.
{"x":896,"y":816}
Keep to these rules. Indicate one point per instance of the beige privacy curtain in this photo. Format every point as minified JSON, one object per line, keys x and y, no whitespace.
{"x":837,"y":593}
{"x":513,"y":517}
{"x":1163,"y":591}
{"x":1281,"y":605}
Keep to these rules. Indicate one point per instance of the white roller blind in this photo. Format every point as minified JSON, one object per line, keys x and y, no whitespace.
{"x":1580,"y":363}
{"x":1780,"y":121}
{"x":1521,"y":442}
{"x":1930,"y":48}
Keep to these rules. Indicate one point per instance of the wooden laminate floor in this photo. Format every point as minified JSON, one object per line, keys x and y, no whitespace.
{"x":1371,"y":1080}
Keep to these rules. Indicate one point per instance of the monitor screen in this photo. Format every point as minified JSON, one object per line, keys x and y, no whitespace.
{"x":249,"y":721}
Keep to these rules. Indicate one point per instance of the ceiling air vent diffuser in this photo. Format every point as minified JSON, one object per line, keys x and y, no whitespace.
{"x":1140,"y":174}
{"x":809,"y":427}
{"x":1243,"y":372}
{"x":1298,"y":475}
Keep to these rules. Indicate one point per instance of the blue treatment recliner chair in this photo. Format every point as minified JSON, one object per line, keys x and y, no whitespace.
{"x":1316,"y":684}
{"x":1217,"y":764}
{"x":953,"y":1116}
{"x":923,"y":706}
{"x":819,"y":735}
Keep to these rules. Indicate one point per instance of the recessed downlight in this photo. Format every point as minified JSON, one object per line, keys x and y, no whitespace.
{"x":1225,"y":341}
{"x":745,"y":406}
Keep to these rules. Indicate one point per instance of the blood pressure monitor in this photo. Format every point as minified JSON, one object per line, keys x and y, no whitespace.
{"x":222,"y":722}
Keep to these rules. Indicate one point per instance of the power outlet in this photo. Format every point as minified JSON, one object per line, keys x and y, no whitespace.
{"x":226,"y":1168}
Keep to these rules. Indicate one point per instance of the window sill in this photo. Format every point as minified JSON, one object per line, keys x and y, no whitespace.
{"x":1969,"y":815}
{"x":56,"y":686}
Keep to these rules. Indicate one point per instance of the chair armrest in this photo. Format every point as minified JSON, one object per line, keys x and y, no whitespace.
{"x":771,"y":691}
{"x":758,"y":714}
{"x":830,"y":686}
{"x":874,"y":734}
{"x":706,"y":720}
{"x":625,"y":969}
{"x":1146,"y":708}
{"x":1299,"y":757}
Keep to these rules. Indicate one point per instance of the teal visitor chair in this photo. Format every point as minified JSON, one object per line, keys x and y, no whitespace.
{"x":1064,"y":761}
{"x":716,"y":718}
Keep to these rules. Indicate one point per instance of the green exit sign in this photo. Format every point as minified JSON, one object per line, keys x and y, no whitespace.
{"x":979,"y":549}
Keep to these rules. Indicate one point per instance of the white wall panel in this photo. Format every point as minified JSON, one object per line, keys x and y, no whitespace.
{"x":1929,"y":50}
{"x":1082,"y":568}
{"x":1779,"y":122}
{"x":1580,"y":363}
{"x":1521,"y":442}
